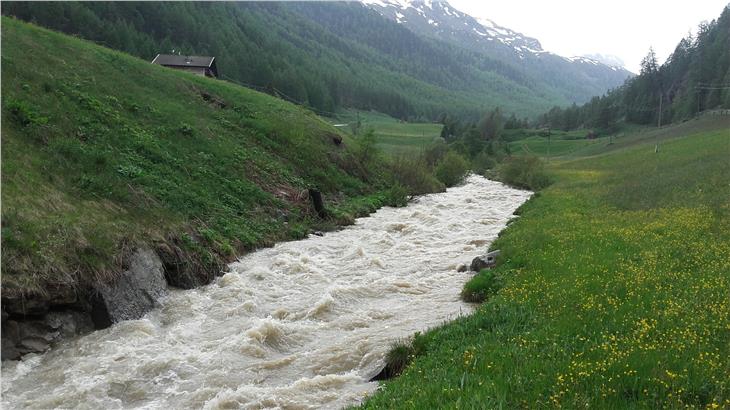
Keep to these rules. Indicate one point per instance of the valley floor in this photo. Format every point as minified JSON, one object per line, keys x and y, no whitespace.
{"x":616,"y":291}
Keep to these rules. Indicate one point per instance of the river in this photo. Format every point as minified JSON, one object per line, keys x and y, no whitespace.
{"x":302,"y":325}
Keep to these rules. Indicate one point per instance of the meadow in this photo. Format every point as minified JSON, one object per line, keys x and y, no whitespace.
{"x":612,"y":290}
{"x":392,"y":136}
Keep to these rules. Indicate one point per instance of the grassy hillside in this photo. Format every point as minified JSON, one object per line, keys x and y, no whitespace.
{"x":102,"y":152}
{"x":615,"y":292}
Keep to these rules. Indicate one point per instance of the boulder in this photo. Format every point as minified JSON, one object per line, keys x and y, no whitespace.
{"x":20,"y":336}
{"x":33,"y":345}
{"x":9,"y":351}
{"x":461,"y":268}
{"x":485,"y":261}
{"x":69,"y":323}
{"x":37,"y":329}
{"x":11,"y":331}
{"x":136,"y":291}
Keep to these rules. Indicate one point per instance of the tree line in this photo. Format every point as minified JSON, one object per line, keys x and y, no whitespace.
{"x":695,"y":78}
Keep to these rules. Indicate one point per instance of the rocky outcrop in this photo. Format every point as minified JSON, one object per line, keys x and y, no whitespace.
{"x":487,"y":261}
{"x":36,"y":335}
{"x":33,"y":323}
{"x":136,"y":291}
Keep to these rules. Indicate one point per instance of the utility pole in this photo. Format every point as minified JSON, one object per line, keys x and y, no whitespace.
{"x":357,"y":128}
{"x":699,"y":94}
{"x":548,"y":153}
{"x":659,"y":124}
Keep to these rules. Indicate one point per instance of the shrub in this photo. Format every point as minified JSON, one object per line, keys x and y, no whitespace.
{"x":524,"y":172}
{"x":452,"y":169}
{"x":396,"y":196}
{"x":398,"y":358}
{"x":22,"y":113}
{"x":366,"y":150}
{"x":401,"y":354}
{"x":434,"y":153}
{"x":483,"y":162}
{"x":187,"y":129}
{"x":413,"y":173}
{"x":481,"y":286}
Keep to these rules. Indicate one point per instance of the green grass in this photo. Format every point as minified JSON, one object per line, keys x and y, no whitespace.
{"x":103,"y":152}
{"x":616,"y":291}
{"x":555,"y":147}
{"x":393,"y":136}
{"x":564,"y":145}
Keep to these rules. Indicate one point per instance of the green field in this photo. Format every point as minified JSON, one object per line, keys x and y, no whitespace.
{"x":615,"y":290}
{"x":393,"y":136}
{"x":103,"y":152}
{"x":563,"y":145}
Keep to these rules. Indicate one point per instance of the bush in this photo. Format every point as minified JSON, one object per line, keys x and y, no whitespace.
{"x":481,"y":286}
{"x":22,"y":113}
{"x":483,"y":162}
{"x":366,"y":150}
{"x":401,"y":354}
{"x":396,"y":196}
{"x":524,"y":172}
{"x":413,"y":173}
{"x":434,"y":153}
{"x":452,"y":169}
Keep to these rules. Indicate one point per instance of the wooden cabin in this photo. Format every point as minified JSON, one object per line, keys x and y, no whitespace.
{"x":199,"y":65}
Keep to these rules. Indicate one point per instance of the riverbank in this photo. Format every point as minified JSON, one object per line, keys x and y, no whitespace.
{"x":615,"y":292}
{"x":113,"y":166}
{"x":301,"y":324}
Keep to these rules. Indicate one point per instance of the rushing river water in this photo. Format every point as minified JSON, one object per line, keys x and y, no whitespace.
{"x":304,"y":324}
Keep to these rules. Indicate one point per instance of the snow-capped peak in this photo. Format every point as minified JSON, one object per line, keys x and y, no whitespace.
{"x":437,"y":18}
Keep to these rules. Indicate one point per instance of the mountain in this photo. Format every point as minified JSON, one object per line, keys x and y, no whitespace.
{"x":607,"y":59}
{"x":334,"y":55}
{"x":576,"y":78}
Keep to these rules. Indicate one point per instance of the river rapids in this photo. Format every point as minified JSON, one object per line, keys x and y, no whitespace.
{"x":302,"y":325}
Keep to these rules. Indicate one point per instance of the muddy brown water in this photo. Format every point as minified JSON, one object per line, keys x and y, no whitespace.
{"x":302,"y":325}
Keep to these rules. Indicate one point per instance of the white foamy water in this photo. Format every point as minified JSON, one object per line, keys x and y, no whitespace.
{"x":302,"y":325}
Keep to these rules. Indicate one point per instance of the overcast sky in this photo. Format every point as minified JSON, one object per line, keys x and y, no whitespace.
{"x":624,"y":28}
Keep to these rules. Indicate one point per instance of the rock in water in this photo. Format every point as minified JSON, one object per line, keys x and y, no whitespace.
{"x":484,"y":262}
{"x":461,"y":268}
{"x":135,"y":292}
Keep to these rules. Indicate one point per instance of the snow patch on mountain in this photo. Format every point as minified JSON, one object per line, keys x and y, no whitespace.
{"x":439,"y":19}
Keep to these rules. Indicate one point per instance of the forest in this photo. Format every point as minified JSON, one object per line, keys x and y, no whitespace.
{"x":695,"y":78}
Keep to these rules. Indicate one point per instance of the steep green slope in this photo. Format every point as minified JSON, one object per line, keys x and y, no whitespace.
{"x":615,"y":293}
{"x":102,"y":152}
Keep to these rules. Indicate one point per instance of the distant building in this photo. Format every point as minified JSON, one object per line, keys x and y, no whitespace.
{"x":203,"y":66}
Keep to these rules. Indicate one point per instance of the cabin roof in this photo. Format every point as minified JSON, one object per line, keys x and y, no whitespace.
{"x":183,"y":61}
